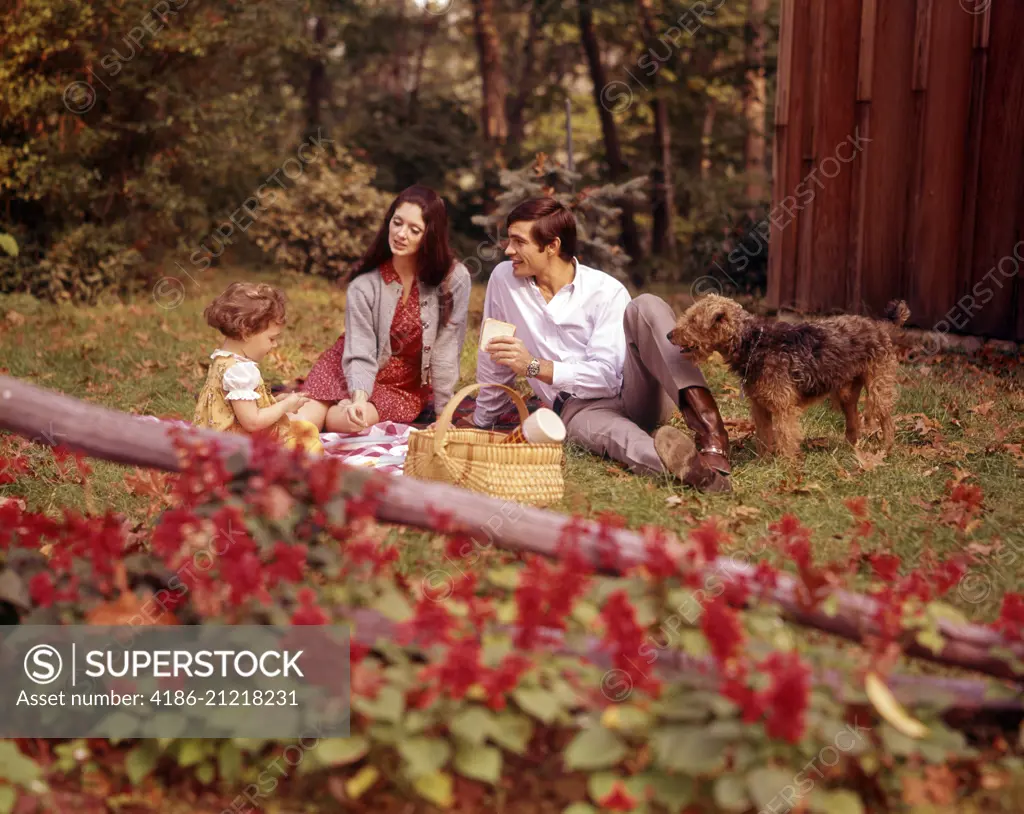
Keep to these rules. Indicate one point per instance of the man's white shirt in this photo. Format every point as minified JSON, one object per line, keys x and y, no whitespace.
{"x":580,"y":331}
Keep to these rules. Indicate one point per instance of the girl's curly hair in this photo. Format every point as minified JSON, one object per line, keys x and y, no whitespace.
{"x":245,"y":309}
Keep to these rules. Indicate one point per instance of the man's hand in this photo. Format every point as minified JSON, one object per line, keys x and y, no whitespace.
{"x":511,"y":353}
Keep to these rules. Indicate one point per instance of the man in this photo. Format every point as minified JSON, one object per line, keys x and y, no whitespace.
{"x":598,"y":359}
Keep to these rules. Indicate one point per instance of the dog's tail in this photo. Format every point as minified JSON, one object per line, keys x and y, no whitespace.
{"x":897,"y":313}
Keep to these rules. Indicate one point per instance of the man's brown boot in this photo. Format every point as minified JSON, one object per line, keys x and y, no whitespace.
{"x":680,"y":457}
{"x":701,"y":415}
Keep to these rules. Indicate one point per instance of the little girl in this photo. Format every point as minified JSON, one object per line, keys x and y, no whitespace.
{"x":234,"y":398}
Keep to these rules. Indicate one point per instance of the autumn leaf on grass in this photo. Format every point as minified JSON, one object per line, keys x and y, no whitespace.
{"x":1017,"y":451}
{"x":960,"y":509}
{"x":982,"y":409}
{"x":869,"y":461}
{"x":15,"y":319}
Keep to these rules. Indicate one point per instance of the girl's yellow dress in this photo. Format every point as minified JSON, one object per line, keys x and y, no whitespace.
{"x":232,"y":377}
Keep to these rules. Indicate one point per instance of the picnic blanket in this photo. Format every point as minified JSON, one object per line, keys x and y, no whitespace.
{"x":384,"y":446}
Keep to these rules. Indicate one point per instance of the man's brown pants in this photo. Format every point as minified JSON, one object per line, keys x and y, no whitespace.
{"x":655,"y":371}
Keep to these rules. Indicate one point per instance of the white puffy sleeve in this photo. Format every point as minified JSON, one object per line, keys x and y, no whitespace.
{"x":241,"y":380}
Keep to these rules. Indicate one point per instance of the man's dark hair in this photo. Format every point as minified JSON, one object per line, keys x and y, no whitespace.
{"x":552,"y":220}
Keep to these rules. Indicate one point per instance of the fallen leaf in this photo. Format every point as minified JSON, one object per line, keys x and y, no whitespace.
{"x":869,"y":460}
{"x":673,"y":500}
{"x":982,"y":409}
{"x":980,"y":550}
{"x":745,"y":512}
{"x":16,"y":319}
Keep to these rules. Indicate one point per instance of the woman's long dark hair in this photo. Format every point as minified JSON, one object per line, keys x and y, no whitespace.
{"x":434,"y":258}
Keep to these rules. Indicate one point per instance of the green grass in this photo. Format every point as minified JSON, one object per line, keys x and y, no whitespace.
{"x":141,"y":358}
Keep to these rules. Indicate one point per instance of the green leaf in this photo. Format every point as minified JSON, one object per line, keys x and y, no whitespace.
{"x":393,"y":604}
{"x":506,"y":576}
{"x":435,"y":788}
{"x":730,"y":793}
{"x":8,"y":797}
{"x":831,"y":605}
{"x":229,"y":762}
{"x":626,"y":718}
{"x":140,"y":761}
{"x":898,"y":744}
{"x":765,"y":784}
{"x":594,"y":748}
{"x":341,"y":751}
{"x":191,"y":752}
{"x":472,"y":724}
{"x":585,"y":613}
{"x":688,"y":749}
{"x":673,"y":791}
{"x":580,"y":808}
{"x":513,"y":731}
{"x":931,"y":638}
{"x":835,"y":802}
{"x":8,"y":244}
{"x":387,"y":706}
{"x":478,"y":763}
{"x":599,"y":785}
{"x":16,"y":768}
{"x":424,"y":755}
{"x":539,"y":703}
{"x":206,"y":774}
{"x":357,"y":785}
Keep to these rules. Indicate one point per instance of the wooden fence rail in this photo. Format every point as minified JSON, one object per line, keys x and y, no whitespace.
{"x":56,"y":419}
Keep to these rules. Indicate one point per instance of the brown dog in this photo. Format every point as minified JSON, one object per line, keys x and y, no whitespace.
{"x":785,"y":367}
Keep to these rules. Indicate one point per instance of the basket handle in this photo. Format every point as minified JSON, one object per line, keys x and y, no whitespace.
{"x":444,"y":421}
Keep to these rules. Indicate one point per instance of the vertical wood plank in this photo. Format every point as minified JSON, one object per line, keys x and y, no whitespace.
{"x":889,"y":164}
{"x":822,"y":282}
{"x":1000,"y":179}
{"x":786,"y":219}
{"x":780,"y":152}
{"x":935,"y":228}
{"x":866,"y":58}
{"x":922,"y":39}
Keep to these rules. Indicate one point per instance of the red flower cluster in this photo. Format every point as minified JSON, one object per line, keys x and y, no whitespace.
{"x":785,"y":700}
{"x":626,"y":637}
{"x":546,"y":593}
{"x":723,"y":629}
{"x":1011,"y":617}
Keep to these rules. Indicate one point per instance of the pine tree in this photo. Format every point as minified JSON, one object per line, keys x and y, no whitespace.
{"x":597,"y":210}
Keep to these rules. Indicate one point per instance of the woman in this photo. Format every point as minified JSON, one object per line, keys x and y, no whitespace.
{"x":405,"y":322}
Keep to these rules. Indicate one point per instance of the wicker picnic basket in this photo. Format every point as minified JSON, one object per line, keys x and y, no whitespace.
{"x":476,"y":459}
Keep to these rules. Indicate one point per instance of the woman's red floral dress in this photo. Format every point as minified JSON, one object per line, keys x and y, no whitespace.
{"x":398,"y":393}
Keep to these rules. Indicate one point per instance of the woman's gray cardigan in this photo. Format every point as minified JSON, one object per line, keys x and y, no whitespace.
{"x":369,"y":310}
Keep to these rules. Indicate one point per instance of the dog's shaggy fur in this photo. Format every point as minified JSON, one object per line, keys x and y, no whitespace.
{"x":785,"y":367}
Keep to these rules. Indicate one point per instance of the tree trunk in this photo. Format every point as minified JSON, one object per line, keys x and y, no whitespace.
{"x":495,"y":123}
{"x":755,"y":102}
{"x":55,"y":419}
{"x":705,"y":140}
{"x":429,"y":27}
{"x":663,"y":239}
{"x":613,"y":151}
{"x":527,"y":78}
{"x":493,"y":118}
{"x":316,"y":89}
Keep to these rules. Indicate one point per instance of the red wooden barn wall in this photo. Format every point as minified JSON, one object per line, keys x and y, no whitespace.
{"x":899,"y":161}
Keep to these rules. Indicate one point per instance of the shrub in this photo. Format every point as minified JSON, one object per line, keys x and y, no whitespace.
{"x":655,"y":688}
{"x":82,"y":263}
{"x":325,"y":220}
